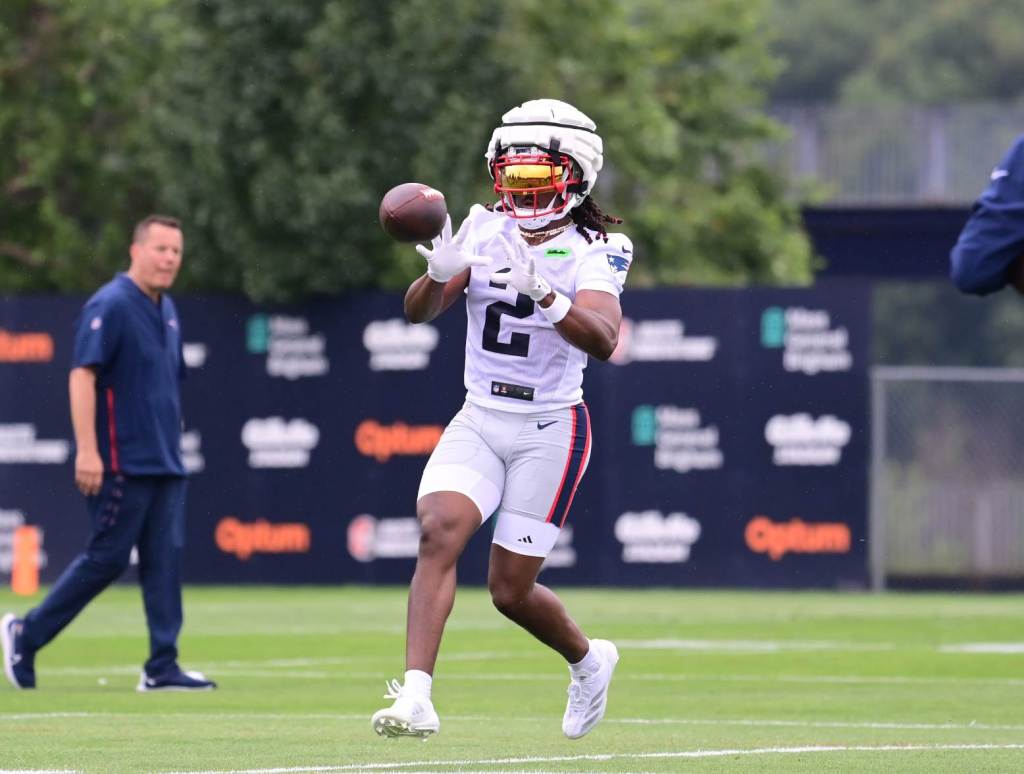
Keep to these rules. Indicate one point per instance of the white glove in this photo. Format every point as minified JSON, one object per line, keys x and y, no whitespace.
{"x":523,"y":272}
{"x":448,"y":257}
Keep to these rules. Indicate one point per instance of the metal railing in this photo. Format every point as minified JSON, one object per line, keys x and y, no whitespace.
{"x":896,"y":155}
{"x":947,"y":488}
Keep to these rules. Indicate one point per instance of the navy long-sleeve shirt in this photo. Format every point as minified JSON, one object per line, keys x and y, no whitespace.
{"x":993,"y":237}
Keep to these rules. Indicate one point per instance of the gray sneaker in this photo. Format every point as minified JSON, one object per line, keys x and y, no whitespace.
{"x":175,"y":681}
{"x":19,"y":666}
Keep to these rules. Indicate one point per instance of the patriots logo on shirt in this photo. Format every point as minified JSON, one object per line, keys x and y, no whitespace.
{"x":617,"y":262}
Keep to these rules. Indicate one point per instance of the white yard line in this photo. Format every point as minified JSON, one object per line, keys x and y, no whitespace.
{"x":445,"y":765}
{"x":114,"y":669}
{"x":752,"y":646}
{"x":279,"y":674}
{"x":285,"y":662}
{"x":270,"y":630}
{"x":731,"y":647}
{"x":852,"y":679}
{"x":247,"y":716}
{"x":761,"y":678}
{"x":997,"y":648}
{"x":524,"y":677}
{"x":773,"y":723}
{"x":694,"y":678}
{"x":749,"y":722}
{"x":261,"y":664}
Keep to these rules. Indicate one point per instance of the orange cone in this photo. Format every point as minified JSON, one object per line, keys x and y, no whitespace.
{"x":25,"y":561}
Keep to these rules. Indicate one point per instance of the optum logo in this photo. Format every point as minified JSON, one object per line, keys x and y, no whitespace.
{"x":243,"y":539}
{"x":764,"y":536}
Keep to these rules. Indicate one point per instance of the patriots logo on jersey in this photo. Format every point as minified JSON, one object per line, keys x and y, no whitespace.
{"x":617,"y":262}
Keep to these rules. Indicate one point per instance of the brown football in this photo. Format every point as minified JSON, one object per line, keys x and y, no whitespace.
{"x":413,"y":212}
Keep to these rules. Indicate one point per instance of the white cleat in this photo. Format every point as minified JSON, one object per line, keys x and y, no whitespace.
{"x":410,"y":715}
{"x":588,"y":693}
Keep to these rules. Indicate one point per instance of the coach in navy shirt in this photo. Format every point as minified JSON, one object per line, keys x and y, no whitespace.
{"x":126,"y":412}
{"x":990,"y":251}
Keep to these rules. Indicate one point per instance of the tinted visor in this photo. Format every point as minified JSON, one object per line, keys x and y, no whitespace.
{"x":528,"y":177}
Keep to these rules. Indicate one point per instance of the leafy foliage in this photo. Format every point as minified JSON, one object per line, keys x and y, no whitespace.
{"x":272,"y":129}
{"x":72,"y":85}
{"x":920,"y":51}
{"x":932,"y":323}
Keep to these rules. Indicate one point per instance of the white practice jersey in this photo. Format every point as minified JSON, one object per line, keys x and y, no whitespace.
{"x":515,"y":359}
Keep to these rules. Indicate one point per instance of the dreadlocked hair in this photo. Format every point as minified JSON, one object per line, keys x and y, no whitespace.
{"x":588,"y":216}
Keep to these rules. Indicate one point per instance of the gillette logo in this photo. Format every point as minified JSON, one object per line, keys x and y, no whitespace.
{"x":276,"y":443}
{"x":800,"y":439}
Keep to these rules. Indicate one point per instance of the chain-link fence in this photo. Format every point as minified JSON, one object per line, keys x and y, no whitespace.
{"x":895,"y":154}
{"x":947,"y":498}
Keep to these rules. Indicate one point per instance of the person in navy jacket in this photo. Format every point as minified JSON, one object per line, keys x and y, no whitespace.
{"x":988,"y":255}
{"x":126,"y":412}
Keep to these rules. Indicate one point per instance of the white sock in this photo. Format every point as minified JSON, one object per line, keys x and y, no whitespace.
{"x":588,"y":664}
{"x":418,"y":682}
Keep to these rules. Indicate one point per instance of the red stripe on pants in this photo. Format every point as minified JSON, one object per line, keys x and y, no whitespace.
{"x":112,"y":430}
{"x":565,"y":472}
{"x":583,"y":464}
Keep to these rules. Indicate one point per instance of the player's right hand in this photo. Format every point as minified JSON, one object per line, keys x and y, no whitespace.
{"x":88,"y":472}
{"x":448,"y":257}
{"x":522,"y":270}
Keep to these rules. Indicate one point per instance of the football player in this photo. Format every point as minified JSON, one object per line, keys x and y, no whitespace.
{"x":541,"y":277}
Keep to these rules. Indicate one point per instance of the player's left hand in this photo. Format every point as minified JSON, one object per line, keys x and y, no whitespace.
{"x":448,"y":257}
{"x":522,"y":274}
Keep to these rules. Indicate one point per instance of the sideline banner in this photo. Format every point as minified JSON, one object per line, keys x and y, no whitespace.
{"x":729,"y":439}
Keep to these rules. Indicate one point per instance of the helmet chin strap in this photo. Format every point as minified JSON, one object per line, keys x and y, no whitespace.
{"x":539,"y":221}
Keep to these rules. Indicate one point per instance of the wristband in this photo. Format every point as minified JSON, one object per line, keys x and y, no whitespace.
{"x":559,"y":308}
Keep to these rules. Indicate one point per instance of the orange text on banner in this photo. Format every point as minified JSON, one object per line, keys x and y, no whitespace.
{"x":25,"y":347}
{"x":382,"y":442}
{"x":243,"y":539}
{"x":796,"y":536}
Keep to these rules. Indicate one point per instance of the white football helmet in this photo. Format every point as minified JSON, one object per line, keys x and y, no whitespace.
{"x":543,"y":147}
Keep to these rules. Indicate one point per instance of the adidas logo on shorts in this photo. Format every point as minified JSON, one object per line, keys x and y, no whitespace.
{"x":526,"y":539}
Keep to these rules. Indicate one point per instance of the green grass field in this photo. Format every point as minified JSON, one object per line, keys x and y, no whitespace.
{"x":708,"y":681}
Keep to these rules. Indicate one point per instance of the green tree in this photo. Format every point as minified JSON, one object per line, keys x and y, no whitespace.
{"x":948,"y":51}
{"x":273,"y":129}
{"x":675,"y":89}
{"x":72,"y":85}
{"x":295,"y":118}
{"x":920,"y":51}
{"x":286,"y":122}
{"x":820,"y":43}
{"x":932,"y":323}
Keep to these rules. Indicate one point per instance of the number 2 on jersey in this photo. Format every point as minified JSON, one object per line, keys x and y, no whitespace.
{"x":518,"y":343}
